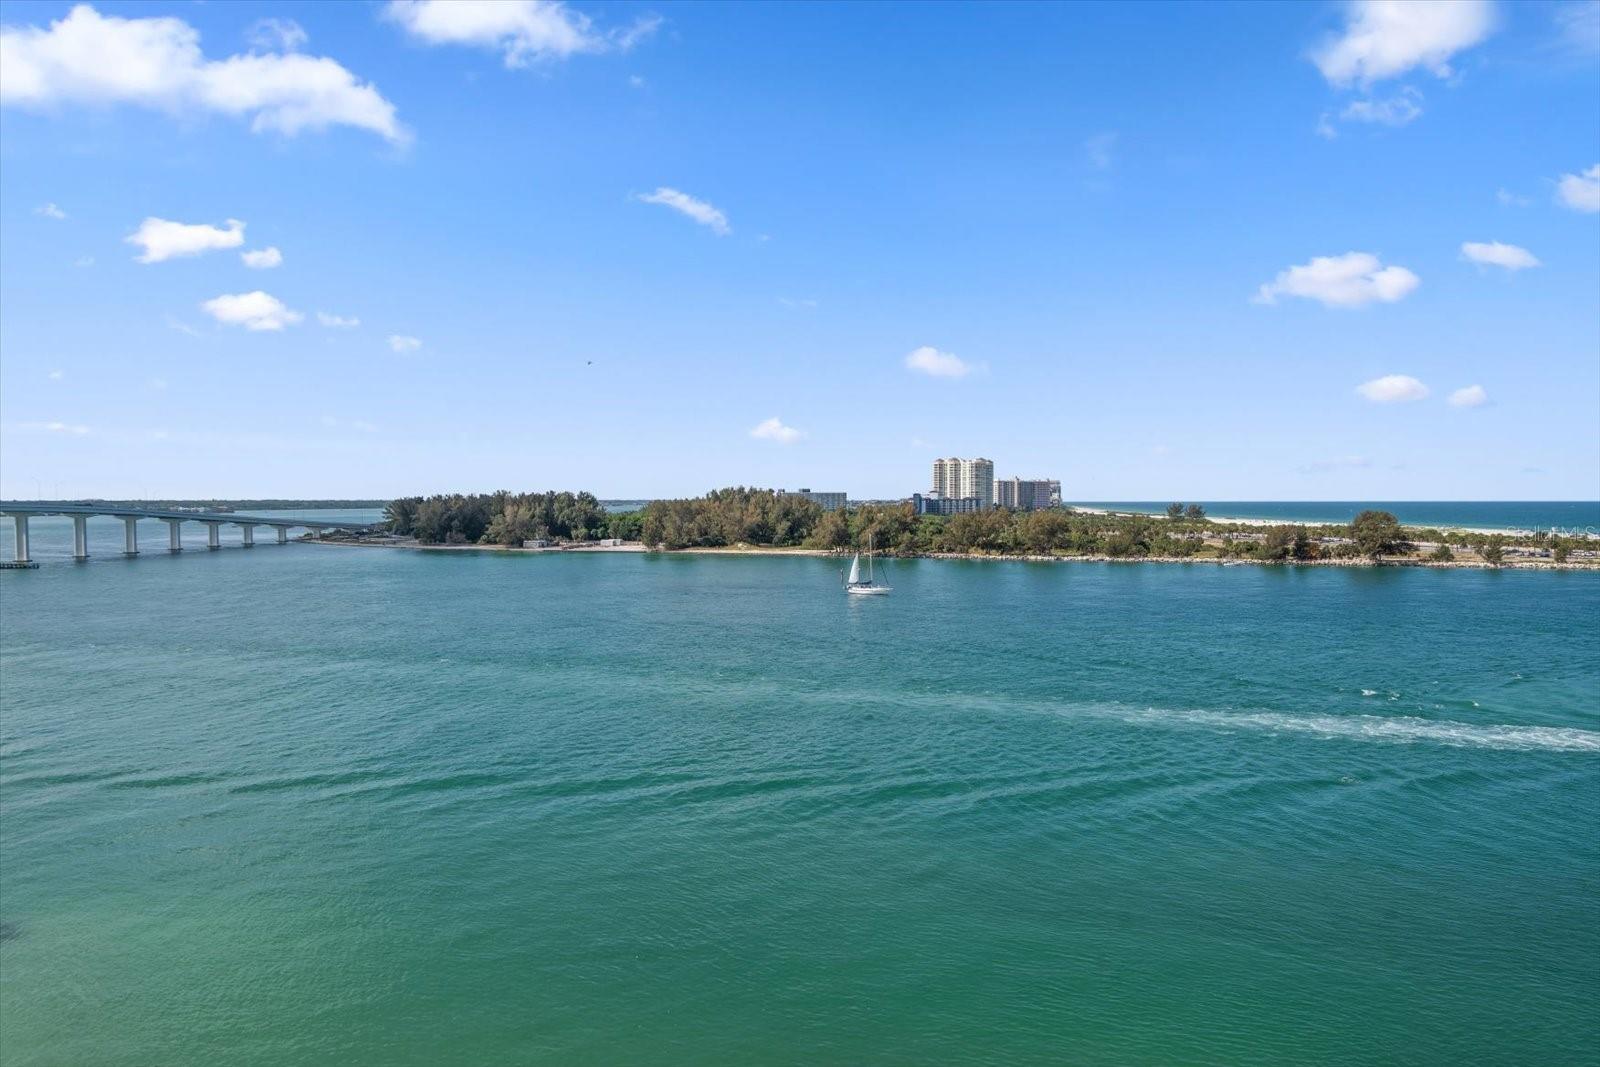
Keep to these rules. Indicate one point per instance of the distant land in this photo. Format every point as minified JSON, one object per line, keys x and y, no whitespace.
{"x":1570,"y":517}
{"x":1508,"y":515}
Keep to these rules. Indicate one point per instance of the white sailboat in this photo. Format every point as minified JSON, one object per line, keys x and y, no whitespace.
{"x":855,"y":586}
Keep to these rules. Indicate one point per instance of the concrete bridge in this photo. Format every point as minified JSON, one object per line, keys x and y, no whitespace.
{"x":22,"y":510}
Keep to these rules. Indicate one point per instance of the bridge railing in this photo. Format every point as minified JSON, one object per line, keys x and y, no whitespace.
{"x":21,"y":511}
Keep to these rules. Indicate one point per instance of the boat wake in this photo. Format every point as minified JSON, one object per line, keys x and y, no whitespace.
{"x":1391,"y":729}
{"x":1384,"y":729}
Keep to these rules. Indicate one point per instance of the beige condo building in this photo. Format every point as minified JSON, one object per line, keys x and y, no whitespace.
{"x":964,"y":479}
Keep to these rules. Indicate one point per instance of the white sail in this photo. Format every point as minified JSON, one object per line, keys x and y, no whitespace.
{"x":855,"y":570}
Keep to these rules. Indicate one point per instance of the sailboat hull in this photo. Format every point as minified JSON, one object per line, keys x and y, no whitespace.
{"x":866,"y":590}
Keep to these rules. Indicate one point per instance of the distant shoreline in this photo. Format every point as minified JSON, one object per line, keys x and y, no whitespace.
{"x":977,"y":557}
{"x":1443,"y":527}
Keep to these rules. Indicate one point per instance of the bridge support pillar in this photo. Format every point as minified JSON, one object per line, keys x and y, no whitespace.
{"x":283,"y":534}
{"x":80,"y":537}
{"x":22,"y":538}
{"x":130,"y":535}
{"x":174,"y":534}
{"x":249,"y":529}
{"x":213,"y":535}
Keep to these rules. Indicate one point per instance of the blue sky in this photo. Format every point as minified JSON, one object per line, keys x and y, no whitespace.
{"x":606,"y":247}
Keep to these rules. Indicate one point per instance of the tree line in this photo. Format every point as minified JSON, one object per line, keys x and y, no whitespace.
{"x":750,"y":516}
{"x":502,"y":518}
{"x":743,"y":515}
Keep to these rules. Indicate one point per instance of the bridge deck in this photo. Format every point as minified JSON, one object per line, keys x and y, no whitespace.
{"x":46,"y":507}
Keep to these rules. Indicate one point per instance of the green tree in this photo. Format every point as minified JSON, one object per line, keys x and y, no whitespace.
{"x":1130,"y":538}
{"x":1194,"y":513}
{"x":627,"y":525}
{"x":1041,"y":532}
{"x":1376,"y":533}
{"x":1493,"y":550}
{"x":1277,"y":543}
{"x":401,"y":513}
{"x":831,"y":532}
{"x":1442,"y":554}
{"x":1560,"y":549}
{"x":1174,"y":512}
{"x":1303,"y":547}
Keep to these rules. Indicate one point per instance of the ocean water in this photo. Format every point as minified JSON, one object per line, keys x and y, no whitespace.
{"x":320,"y":804}
{"x":1573,"y":517}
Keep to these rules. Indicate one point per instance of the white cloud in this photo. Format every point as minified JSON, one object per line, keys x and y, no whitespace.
{"x":524,"y":31}
{"x":74,"y":428}
{"x":399,"y":342}
{"x":683,"y":203}
{"x":262,"y":258}
{"x":1385,"y":38}
{"x":638,"y":30}
{"x":1510,"y":199}
{"x":774,"y":430}
{"x":50,"y":211}
{"x":791,"y":302}
{"x":1470,"y":396}
{"x":1579,"y":26}
{"x":934,"y":363}
{"x":354,"y":424}
{"x":1101,"y":150}
{"x":182,"y":327}
{"x":1350,"y":280}
{"x":277,"y":35}
{"x":1495,"y":254}
{"x":635,"y":81}
{"x":1398,"y":110}
{"x":1323,"y":466}
{"x":83,"y":261}
{"x":162,"y":239}
{"x":93,"y":59}
{"x":1393,"y":389}
{"x":253,"y":311}
{"x":57,"y":375}
{"x":158,"y":385}
{"x":337,"y":322}
{"x":1581,"y":192}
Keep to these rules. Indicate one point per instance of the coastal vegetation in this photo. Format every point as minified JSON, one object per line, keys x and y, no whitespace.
{"x":731,"y":517}
{"x":742,"y":516}
{"x":1377,"y":533}
{"x":500,"y":518}
{"x":759,"y":517}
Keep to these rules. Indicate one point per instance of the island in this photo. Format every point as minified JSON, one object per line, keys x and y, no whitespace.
{"x":752,"y":520}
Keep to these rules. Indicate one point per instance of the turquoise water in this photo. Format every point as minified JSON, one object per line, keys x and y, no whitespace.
{"x":1571,"y":517}
{"x":316,"y":804}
